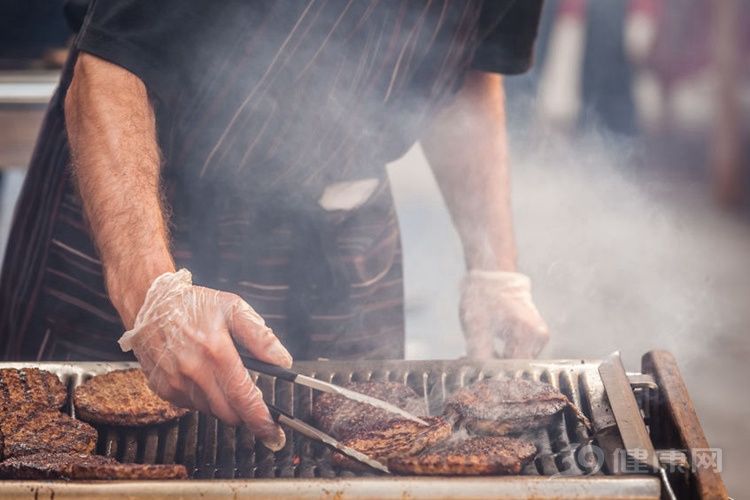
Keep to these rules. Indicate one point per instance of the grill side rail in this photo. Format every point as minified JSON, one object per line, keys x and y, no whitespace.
{"x":674,"y":424}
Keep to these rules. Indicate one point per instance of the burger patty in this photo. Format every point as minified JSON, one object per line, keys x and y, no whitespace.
{"x":122,"y":397}
{"x":479,"y":455}
{"x":500,"y":407}
{"x":343,"y":418}
{"x":30,"y":428}
{"x":30,"y":386}
{"x":394,"y":438}
{"x":83,"y":466}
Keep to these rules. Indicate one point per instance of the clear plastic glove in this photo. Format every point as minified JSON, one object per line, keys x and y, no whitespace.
{"x":496,"y":304}
{"x":183,"y":338}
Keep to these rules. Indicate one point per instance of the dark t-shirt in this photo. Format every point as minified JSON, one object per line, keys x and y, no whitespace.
{"x":260,"y":104}
{"x":302,"y":93}
{"x":154,"y":39}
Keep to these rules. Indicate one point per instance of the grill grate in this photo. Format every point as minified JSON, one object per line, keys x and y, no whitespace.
{"x":211,"y":450}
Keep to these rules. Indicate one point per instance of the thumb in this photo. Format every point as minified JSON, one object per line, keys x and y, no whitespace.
{"x":250,"y":331}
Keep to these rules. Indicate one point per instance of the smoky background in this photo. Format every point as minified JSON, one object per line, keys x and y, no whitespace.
{"x":628,"y":146}
{"x":628,"y":181}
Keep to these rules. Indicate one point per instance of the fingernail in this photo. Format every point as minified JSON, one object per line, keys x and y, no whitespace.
{"x":276,"y":440}
{"x":280,"y":353}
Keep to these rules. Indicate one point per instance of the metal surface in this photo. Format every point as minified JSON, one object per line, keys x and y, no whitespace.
{"x":303,"y":468}
{"x":572,"y":488}
{"x":674,"y":425}
{"x":642,"y":381}
{"x":627,"y":414}
{"x":633,"y":431}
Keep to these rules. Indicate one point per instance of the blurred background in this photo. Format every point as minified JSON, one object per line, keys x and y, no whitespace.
{"x":630,"y":147}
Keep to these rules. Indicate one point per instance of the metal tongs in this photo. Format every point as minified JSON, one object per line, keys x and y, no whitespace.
{"x":311,"y":432}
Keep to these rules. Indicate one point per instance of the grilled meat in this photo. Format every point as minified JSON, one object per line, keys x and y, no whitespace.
{"x":394,"y":438}
{"x":341,"y":417}
{"x":30,"y":385}
{"x":48,"y":465}
{"x":122,"y":397}
{"x":129,"y":471}
{"x":83,"y":466}
{"x":30,"y":428}
{"x":479,"y":455}
{"x":500,"y":407}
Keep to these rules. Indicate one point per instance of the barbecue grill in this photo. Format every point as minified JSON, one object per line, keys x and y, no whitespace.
{"x":573,"y":462}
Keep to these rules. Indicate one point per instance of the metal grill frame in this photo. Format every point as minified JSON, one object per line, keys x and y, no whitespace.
{"x":222,"y":457}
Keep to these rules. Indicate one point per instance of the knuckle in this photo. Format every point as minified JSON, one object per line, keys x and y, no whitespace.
{"x":238,"y":385}
{"x":232,"y":301}
{"x":190,"y":368}
{"x":214,"y":349}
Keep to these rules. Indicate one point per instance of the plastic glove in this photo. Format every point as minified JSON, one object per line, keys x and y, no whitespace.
{"x":183,"y":340}
{"x":496,"y":304}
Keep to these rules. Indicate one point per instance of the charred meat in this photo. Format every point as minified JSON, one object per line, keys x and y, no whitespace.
{"x":394,"y":438}
{"x":30,"y":386}
{"x":31,"y":428}
{"x":122,"y":397}
{"x":83,"y":466}
{"x":479,"y":455}
{"x":343,"y":418}
{"x":501,"y":407}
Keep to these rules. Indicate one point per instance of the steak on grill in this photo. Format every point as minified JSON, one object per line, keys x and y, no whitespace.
{"x":479,"y":455}
{"x":393,"y":438}
{"x":341,"y":417}
{"x":500,"y":407}
{"x":30,"y":428}
{"x":83,"y":466}
{"x":122,"y":397}
{"x":30,"y":385}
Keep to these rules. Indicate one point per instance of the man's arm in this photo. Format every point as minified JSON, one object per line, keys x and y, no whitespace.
{"x":467,"y":150}
{"x":112,"y":134}
{"x":466,"y":147}
{"x":183,"y":335}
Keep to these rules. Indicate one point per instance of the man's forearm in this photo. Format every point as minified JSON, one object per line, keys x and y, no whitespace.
{"x":112,"y":134}
{"x":467,"y":150}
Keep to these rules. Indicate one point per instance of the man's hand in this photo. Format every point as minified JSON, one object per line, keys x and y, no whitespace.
{"x":498,"y":305}
{"x":467,"y":150}
{"x":182,"y":334}
{"x":183,"y":337}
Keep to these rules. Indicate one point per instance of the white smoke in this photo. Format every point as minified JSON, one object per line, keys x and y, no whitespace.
{"x":616,"y":261}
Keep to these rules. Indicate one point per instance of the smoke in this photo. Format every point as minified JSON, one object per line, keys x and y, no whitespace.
{"x":622,"y":255}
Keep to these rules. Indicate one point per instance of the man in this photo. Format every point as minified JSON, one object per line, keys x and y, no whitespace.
{"x":258,"y":132}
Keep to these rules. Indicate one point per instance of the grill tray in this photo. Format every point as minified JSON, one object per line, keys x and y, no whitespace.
{"x":211,"y":450}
